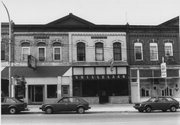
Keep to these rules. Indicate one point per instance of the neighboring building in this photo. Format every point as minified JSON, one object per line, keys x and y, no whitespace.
{"x":99,"y":66}
{"x":147,"y":46}
{"x":101,"y":63}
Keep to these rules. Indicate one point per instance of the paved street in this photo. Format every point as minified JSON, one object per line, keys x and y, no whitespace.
{"x":93,"y":118}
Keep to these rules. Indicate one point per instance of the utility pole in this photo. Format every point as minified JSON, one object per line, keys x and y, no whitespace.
{"x":10,"y":38}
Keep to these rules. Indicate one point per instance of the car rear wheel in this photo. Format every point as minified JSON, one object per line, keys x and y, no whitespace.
{"x":148,"y":109}
{"x":12,"y":110}
{"x":140,"y":110}
{"x":173,"y":109}
{"x":80,"y":110}
{"x":49,"y":110}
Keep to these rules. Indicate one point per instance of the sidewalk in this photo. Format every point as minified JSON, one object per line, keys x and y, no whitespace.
{"x":97,"y":108}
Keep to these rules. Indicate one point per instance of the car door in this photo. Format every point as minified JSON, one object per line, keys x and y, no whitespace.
{"x":162,"y":104}
{"x":73,"y":102}
{"x":156,"y":104}
{"x":62,"y":105}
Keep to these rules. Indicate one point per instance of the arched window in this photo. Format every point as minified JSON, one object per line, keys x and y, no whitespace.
{"x":57,"y":51}
{"x":168,"y":48}
{"x":41,"y":51}
{"x":138,"y":51}
{"x":81,"y":51}
{"x":25,"y":50}
{"x":99,"y":51}
{"x":25,"y":44}
{"x":117,"y":51}
{"x":153,"y":51}
{"x":144,"y":92}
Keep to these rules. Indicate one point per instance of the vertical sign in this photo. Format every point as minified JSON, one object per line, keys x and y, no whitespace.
{"x":163,"y":69}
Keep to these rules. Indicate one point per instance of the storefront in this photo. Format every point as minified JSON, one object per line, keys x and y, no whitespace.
{"x":101,"y":84}
{"x":147,"y":83}
{"x":42,"y":85}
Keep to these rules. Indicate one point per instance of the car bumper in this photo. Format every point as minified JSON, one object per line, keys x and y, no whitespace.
{"x":26,"y":109}
{"x":138,"y":107}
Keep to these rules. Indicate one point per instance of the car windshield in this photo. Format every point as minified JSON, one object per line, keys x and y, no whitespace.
{"x":152,"y":100}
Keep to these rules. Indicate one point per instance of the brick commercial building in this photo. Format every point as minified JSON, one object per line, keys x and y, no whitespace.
{"x":73,"y":57}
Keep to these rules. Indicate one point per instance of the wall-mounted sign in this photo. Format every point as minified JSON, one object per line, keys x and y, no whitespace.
{"x":99,"y":77}
{"x":32,"y":63}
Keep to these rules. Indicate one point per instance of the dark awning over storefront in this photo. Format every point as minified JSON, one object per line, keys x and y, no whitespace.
{"x":41,"y":71}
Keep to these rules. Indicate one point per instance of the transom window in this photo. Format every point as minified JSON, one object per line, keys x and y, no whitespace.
{"x":138,"y":51}
{"x":99,"y":52}
{"x":117,"y":51}
{"x":168,"y":49}
{"x":153,"y":51}
{"x":81,"y":51}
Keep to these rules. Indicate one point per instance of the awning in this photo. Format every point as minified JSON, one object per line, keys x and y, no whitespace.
{"x":41,"y":71}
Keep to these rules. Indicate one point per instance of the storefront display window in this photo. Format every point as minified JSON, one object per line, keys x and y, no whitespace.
{"x":51,"y":91}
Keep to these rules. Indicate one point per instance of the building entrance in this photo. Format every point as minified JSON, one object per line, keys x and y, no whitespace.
{"x":35,"y":93}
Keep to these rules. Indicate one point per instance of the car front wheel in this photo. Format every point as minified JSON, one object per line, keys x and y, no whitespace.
{"x":173,"y":109}
{"x":80,"y":110}
{"x":49,"y":110}
{"x":148,"y":109}
{"x":12,"y":110}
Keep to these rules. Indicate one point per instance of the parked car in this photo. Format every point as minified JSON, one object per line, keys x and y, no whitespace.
{"x":12,"y":105}
{"x":66,"y":104}
{"x":158,"y":103}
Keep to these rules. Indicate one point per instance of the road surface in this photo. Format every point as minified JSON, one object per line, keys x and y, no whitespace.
{"x":93,"y":118}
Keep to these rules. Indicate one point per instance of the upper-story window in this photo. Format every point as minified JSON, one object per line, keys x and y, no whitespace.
{"x":81,"y":51}
{"x":99,"y":51}
{"x":153,"y":51}
{"x":138,"y":51}
{"x":168,"y":49}
{"x":57,"y":51}
{"x":117,"y":51}
{"x":41,"y":51}
{"x":25,"y":50}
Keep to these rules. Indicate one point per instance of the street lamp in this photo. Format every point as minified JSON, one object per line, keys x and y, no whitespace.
{"x":10,"y":81}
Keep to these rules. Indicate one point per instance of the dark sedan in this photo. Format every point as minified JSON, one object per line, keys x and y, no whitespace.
{"x":66,"y":104}
{"x":12,"y":105}
{"x":158,"y":103}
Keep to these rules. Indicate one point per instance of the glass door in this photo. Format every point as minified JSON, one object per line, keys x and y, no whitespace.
{"x":35,"y":93}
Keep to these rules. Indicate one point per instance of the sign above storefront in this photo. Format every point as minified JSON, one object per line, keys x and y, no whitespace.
{"x":98,"y":77}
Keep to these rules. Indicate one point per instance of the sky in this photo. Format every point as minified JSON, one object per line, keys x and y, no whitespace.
{"x":110,"y":12}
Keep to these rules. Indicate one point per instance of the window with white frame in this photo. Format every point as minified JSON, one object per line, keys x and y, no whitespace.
{"x":25,"y":53}
{"x":42,"y":55}
{"x":138,"y":51}
{"x":57,"y":53}
{"x":168,"y":49}
{"x":99,"y":51}
{"x":153,"y":51}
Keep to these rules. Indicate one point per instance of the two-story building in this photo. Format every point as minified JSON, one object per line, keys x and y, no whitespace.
{"x":70,"y":57}
{"x":149,"y":47}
